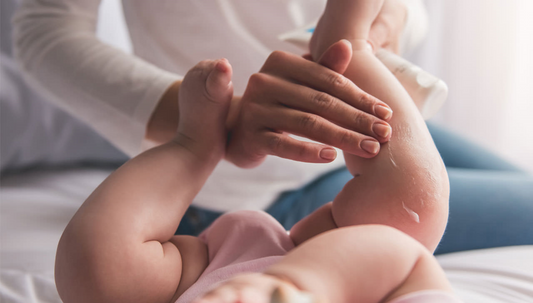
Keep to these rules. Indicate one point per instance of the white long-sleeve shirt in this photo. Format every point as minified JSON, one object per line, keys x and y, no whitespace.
{"x":116,"y":93}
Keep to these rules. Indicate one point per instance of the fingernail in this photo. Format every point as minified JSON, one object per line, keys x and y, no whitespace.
{"x":345,"y":41}
{"x":221,"y":67}
{"x":369,"y":46}
{"x":382,"y":130}
{"x":383,"y":112}
{"x":370,"y":146}
{"x":328,"y":154}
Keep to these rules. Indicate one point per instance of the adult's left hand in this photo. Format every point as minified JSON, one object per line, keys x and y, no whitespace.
{"x":388,"y":26}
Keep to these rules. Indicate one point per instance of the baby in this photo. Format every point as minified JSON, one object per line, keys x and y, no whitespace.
{"x":373,"y":243}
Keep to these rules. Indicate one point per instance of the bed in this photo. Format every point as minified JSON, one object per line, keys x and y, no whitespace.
{"x":35,"y":207}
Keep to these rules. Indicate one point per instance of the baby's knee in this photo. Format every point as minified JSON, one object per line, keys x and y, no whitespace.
{"x":422,"y":203}
{"x":414,"y":201}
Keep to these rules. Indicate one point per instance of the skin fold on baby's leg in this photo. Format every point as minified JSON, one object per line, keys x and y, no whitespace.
{"x":406,"y":185}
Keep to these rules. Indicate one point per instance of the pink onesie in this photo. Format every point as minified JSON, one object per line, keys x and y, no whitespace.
{"x":251,"y":241}
{"x":239,"y":242}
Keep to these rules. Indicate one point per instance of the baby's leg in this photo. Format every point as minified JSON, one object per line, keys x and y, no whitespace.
{"x":405,"y":185}
{"x":370,"y":263}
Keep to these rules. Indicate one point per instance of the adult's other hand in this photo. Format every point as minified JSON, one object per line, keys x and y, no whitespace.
{"x":292,"y":95}
{"x":388,"y":26}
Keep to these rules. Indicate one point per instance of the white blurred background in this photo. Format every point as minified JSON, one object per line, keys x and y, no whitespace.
{"x":483,"y":50}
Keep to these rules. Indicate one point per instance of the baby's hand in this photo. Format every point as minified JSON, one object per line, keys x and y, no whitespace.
{"x":204,"y":99}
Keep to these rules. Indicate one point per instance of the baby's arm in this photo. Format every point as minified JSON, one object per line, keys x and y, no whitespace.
{"x":120,"y":245}
{"x":406,"y":184}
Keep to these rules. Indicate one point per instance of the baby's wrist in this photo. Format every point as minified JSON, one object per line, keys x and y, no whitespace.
{"x":202,"y":153}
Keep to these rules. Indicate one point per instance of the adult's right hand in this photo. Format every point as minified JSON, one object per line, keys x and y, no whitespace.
{"x":292,"y":95}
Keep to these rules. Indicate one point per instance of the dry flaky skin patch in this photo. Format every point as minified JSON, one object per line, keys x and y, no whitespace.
{"x":285,"y":295}
{"x":391,"y":157}
{"x":425,"y":188}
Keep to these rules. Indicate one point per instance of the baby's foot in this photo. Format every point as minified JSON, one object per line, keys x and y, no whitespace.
{"x":204,"y":99}
{"x":256,"y":288}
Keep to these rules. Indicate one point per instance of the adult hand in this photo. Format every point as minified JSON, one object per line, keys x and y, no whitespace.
{"x":388,"y":26}
{"x":292,"y":95}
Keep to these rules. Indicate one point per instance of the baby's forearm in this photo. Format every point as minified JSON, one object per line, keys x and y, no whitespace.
{"x":148,"y":195}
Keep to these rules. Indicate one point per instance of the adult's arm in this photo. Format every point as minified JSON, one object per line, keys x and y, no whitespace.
{"x":114,"y":92}
{"x":416,"y":25}
{"x":400,"y":26}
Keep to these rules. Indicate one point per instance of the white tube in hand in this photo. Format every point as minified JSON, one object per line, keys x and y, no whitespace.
{"x":427,"y":91}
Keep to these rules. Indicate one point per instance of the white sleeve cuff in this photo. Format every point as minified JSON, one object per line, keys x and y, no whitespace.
{"x":146,"y":107}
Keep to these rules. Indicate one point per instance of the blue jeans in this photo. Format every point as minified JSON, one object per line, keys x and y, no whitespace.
{"x":491,"y":201}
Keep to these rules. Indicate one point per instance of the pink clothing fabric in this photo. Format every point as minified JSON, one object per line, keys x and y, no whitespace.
{"x":425,"y":296}
{"x":239,"y":242}
{"x":251,"y":241}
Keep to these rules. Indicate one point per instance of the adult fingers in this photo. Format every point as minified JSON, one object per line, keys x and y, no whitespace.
{"x":249,"y":147}
{"x":307,"y":100}
{"x":387,"y":28}
{"x":337,"y":57}
{"x":296,"y":69}
{"x":307,"y":57}
{"x":282,"y":145}
{"x":380,"y":34}
{"x":319,"y":129}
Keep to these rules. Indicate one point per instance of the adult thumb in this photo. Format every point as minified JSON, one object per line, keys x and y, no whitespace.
{"x":380,"y":34}
{"x":337,"y":56}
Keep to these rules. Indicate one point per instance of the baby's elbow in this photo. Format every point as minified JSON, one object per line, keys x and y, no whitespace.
{"x":71,"y":271}
{"x":80,"y":274}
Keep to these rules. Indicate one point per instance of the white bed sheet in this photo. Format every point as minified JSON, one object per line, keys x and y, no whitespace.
{"x":36,"y":206}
